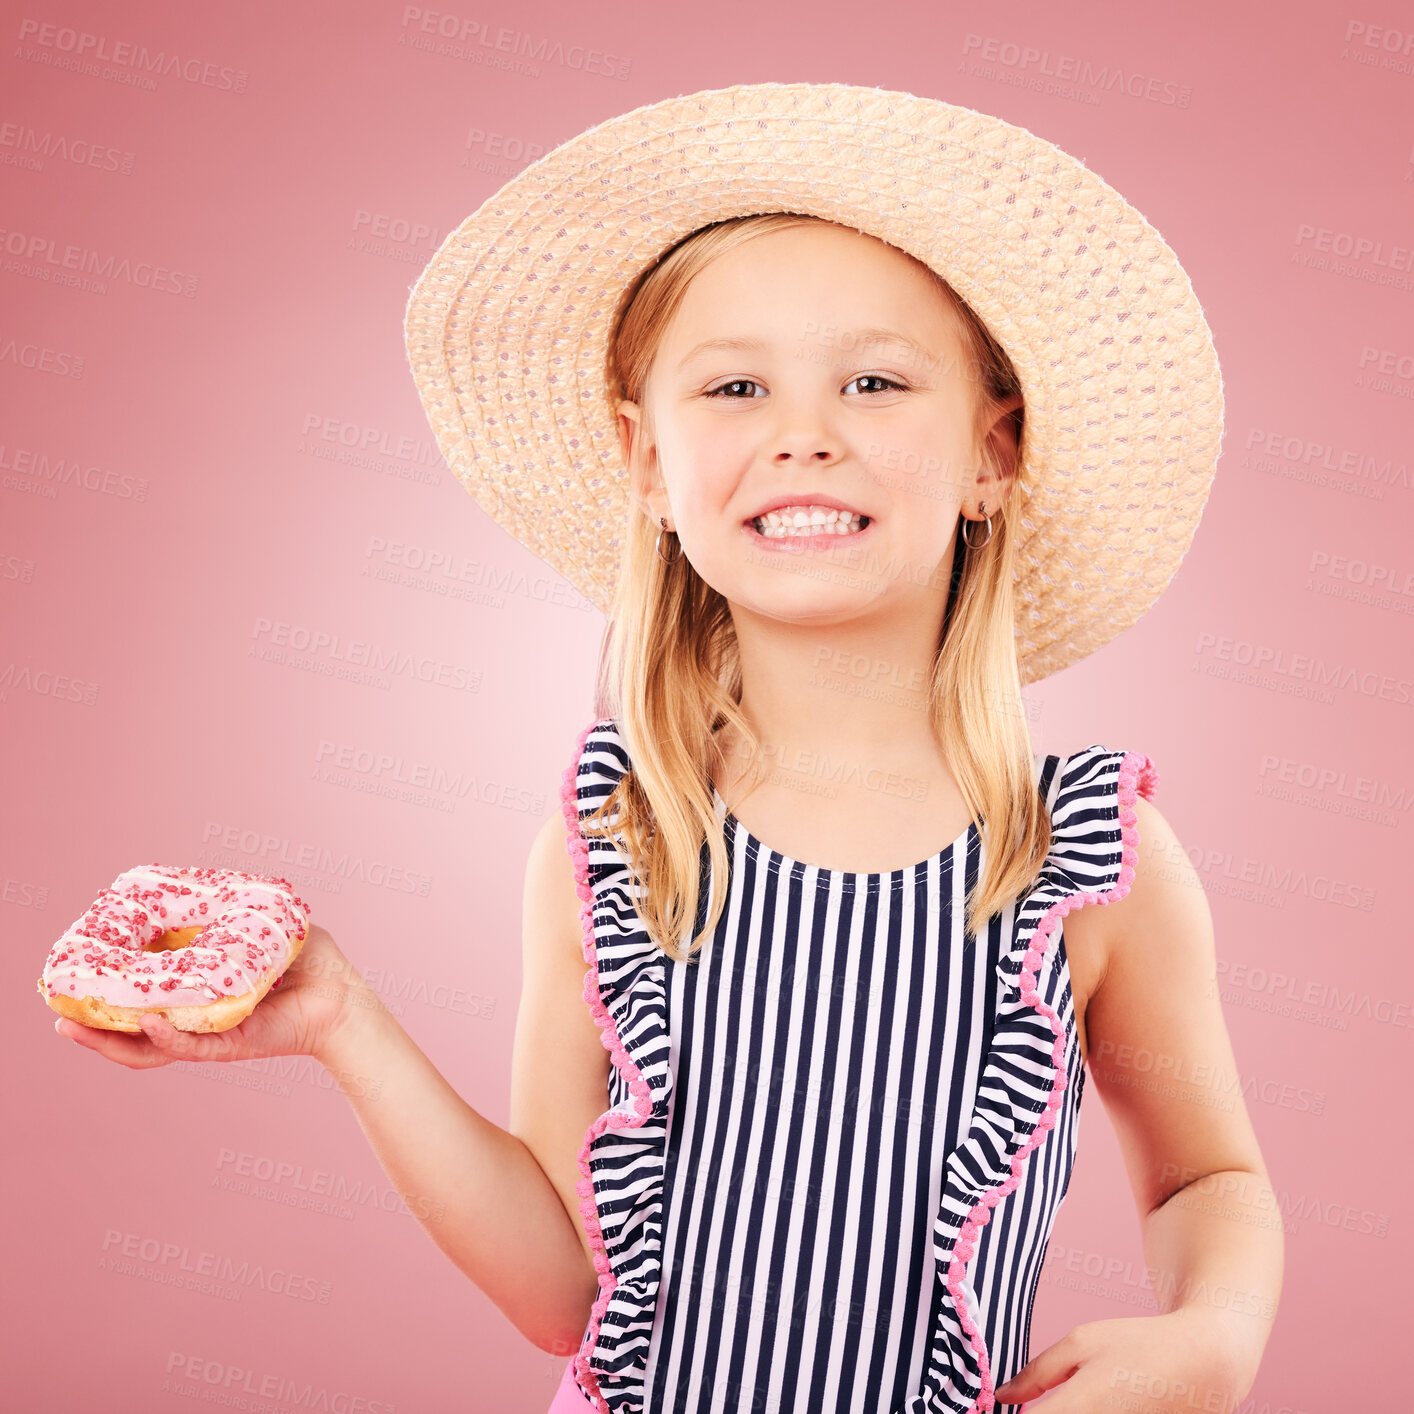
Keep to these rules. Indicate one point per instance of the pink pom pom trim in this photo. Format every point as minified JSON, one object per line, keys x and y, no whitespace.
{"x":1137,"y":776}
{"x":613,"y":1043}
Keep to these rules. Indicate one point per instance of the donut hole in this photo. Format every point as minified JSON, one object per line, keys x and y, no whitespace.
{"x":173,"y":939}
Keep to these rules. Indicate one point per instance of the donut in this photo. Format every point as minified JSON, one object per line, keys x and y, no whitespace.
{"x":198,"y":946}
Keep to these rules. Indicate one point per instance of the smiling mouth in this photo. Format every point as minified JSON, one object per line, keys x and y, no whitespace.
{"x":802,"y":522}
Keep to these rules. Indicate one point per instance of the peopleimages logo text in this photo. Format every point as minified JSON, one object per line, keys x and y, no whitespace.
{"x":80,"y":45}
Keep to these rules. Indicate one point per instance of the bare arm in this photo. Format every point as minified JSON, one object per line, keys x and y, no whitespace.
{"x":1164,"y":1064}
{"x":511,"y":1219}
{"x":477,"y":1190}
{"x":560,"y":1065}
{"x":1160,"y":1056}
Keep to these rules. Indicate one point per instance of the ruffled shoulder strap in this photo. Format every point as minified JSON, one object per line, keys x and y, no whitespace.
{"x":1094,"y":845}
{"x":621,"y":1162}
{"x":1091,"y":803}
{"x":600,"y":761}
{"x":1033,"y":1071}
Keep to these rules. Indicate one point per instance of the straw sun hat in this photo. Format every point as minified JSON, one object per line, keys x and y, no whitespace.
{"x":508,"y":326}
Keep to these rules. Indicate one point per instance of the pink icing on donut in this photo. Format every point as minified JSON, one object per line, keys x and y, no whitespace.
{"x":248,"y":923}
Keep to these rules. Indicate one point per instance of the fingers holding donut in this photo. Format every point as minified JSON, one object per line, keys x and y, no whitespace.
{"x":159,"y":1043}
{"x":174,"y":1044}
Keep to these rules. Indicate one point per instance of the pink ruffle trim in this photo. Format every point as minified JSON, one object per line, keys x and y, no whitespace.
{"x":1137,"y":776}
{"x":613,"y":1043}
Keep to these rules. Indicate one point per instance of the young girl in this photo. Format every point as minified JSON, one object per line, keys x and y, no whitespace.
{"x":797,"y":1138}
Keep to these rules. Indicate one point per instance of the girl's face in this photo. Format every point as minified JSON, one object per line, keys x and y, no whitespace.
{"x":812,"y":372}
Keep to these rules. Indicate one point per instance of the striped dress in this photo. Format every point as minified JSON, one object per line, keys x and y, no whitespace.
{"x":835,"y":1146}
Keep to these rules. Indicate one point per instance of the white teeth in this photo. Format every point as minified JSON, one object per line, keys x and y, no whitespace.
{"x":811,"y":520}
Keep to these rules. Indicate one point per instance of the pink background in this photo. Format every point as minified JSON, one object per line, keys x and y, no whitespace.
{"x":176,"y":483}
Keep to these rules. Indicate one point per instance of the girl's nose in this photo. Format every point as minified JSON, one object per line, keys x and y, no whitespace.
{"x":803,"y":436}
{"x":801,"y":427}
{"x":806,"y":457}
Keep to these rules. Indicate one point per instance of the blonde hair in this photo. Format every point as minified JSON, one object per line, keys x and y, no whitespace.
{"x":670,"y":673}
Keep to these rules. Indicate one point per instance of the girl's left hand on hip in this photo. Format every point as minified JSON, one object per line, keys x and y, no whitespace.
{"x":1181,"y":1360}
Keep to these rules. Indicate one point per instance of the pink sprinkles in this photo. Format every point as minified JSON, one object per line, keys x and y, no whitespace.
{"x":255,"y":916}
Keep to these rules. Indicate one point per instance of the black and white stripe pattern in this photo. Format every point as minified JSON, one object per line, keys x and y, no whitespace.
{"x":835,"y":1084}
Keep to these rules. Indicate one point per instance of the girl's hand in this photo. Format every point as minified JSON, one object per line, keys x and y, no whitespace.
{"x":1181,"y":1360}
{"x":299,"y":1016}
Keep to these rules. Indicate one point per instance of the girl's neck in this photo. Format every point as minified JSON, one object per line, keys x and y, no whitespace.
{"x":859,"y":692}
{"x":843,"y":802}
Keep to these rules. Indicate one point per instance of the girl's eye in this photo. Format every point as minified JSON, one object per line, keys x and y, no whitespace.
{"x":722,"y":389}
{"x":876,"y":378}
{"x":735,"y":383}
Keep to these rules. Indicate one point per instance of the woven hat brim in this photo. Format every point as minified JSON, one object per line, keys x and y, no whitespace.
{"x":507,"y":327}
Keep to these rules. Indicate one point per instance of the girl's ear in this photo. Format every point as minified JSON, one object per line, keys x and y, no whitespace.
{"x":1001,"y":444}
{"x":628,"y":418}
{"x":645,"y":485}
